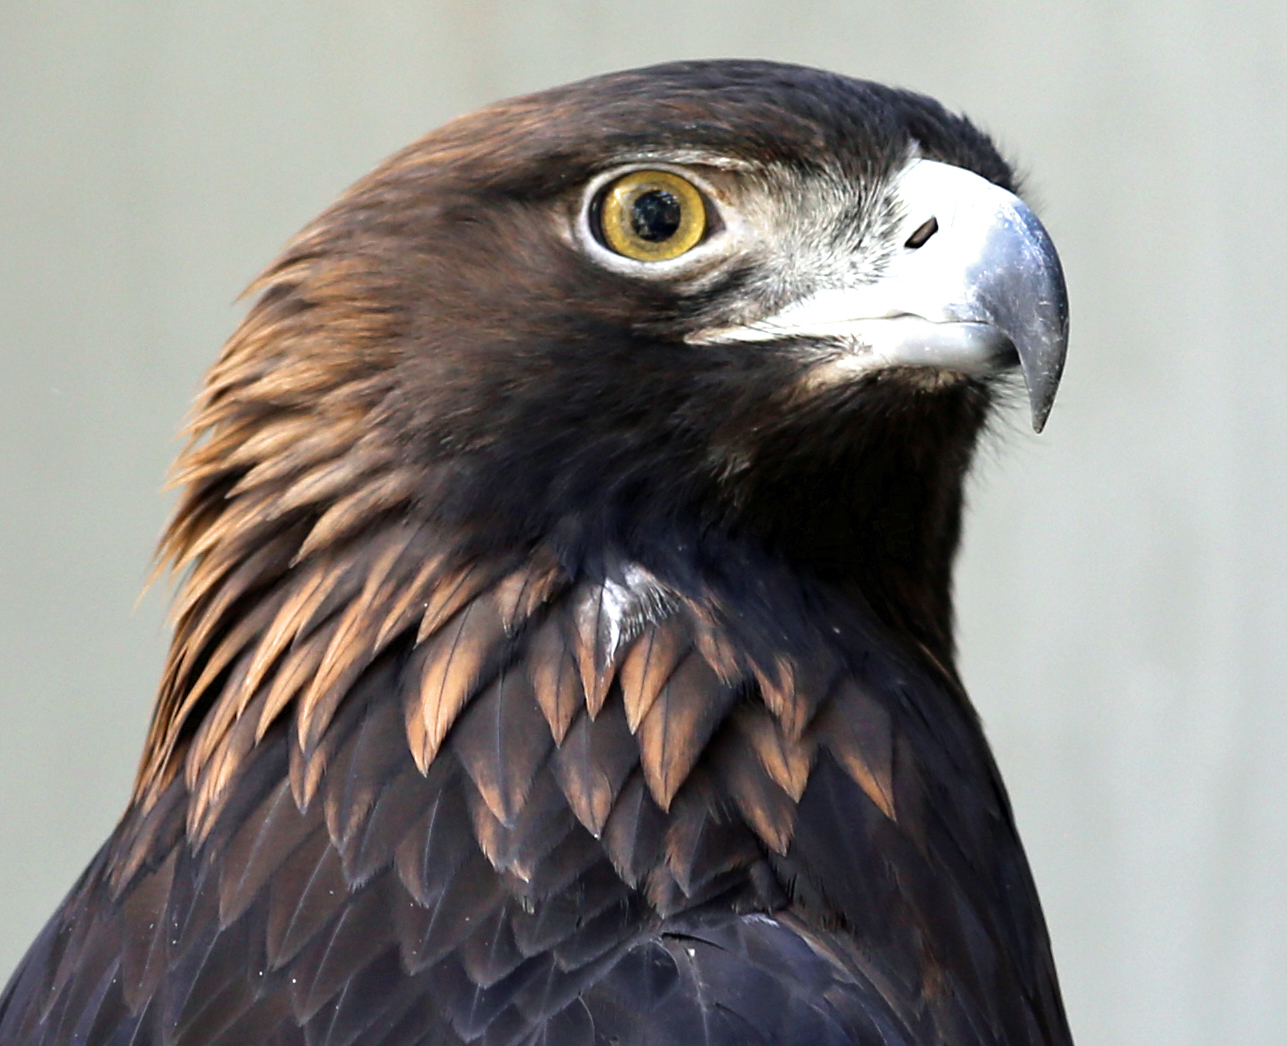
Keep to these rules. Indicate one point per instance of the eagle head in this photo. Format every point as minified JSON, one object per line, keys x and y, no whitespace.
{"x":674,"y":317}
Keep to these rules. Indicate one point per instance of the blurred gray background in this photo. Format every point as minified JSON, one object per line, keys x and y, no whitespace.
{"x":1121,"y":591}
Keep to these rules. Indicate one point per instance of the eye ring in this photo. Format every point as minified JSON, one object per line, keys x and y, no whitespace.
{"x":651,"y":215}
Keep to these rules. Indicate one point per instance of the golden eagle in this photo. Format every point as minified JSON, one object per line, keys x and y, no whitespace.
{"x":563,"y":650}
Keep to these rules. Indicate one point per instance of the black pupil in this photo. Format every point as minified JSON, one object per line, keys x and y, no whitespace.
{"x":655,"y":215}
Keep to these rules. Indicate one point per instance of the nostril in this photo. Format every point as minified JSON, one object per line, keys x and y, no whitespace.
{"x":923,"y":233}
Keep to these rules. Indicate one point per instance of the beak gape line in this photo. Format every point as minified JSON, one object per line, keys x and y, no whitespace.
{"x":982,"y":291}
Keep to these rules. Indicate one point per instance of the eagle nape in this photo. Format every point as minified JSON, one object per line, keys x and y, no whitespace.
{"x":563,"y":647}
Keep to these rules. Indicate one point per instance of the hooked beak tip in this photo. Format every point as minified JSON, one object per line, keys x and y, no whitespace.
{"x":1042,"y":358}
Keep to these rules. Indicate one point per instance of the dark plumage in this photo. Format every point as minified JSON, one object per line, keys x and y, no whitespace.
{"x":552,"y":665}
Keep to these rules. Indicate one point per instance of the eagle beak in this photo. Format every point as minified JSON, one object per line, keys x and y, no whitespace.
{"x":974,"y":285}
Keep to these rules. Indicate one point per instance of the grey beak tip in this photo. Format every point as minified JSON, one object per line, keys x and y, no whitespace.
{"x":1044,"y":349}
{"x":1043,"y":385}
{"x":1041,"y":391}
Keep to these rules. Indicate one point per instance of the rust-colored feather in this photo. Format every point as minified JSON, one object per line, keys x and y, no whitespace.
{"x":291,"y":437}
{"x":229,"y":564}
{"x":675,"y":731}
{"x":452,"y":665}
{"x":599,"y":644}
{"x":409,"y":605}
{"x":451,"y":593}
{"x":259,"y":568}
{"x":357,"y":510}
{"x":491,"y":834}
{"x":217,"y":722}
{"x":232,"y":450}
{"x":767,"y":809}
{"x":216,"y":770}
{"x":593,"y":762}
{"x":296,"y":383}
{"x":199,"y":508}
{"x":648,"y":665}
{"x":539,"y":827}
{"x":858,"y":731}
{"x":554,"y":675}
{"x":777,"y":689}
{"x":793,"y":689}
{"x":307,"y":765}
{"x":501,"y":741}
{"x":353,"y":643}
{"x":520,"y":593}
{"x":236,"y":531}
{"x":715,"y":645}
{"x":289,"y":448}
{"x":326,"y":481}
{"x":294,"y":674}
{"x":230,"y":647}
{"x":787,"y":760}
{"x":350,"y":577}
{"x":311,"y":587}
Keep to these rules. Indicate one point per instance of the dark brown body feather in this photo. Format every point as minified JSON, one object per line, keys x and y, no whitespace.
{"x":537,"y":720}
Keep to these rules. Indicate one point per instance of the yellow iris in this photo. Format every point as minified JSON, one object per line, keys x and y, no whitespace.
{"x":652,"y":216}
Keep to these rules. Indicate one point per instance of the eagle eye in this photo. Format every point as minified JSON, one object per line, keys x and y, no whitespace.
{"x":651,"y":216}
